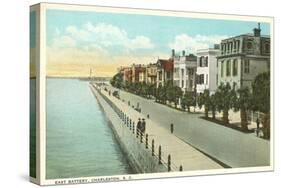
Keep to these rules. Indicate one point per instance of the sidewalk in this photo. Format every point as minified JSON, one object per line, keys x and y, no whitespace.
{"x":182,"y":154}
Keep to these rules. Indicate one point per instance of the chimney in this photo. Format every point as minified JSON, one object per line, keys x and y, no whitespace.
{"x":183,"y":53}
{"x":257,"y":31}
{"x":173,"y":53}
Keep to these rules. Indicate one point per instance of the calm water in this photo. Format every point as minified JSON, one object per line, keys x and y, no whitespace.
{"x":80,"y":142}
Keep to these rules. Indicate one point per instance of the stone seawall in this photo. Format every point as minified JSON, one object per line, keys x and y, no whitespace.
{"x":140,"y":154}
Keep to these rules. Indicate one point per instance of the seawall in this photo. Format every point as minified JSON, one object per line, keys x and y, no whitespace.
{"x":139,"y":153}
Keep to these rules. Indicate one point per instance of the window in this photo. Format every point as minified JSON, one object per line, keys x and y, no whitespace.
{"x":200,"y":61}
{"x":267,"y":48}
{"x":228,"y":68}
{"x":222,"y":69}
{"x":190,"y":72}
{"x":247,"y":66}
{"x":206,"y":78}
{"x":200,"y":79}
{"x":206,"y":61}
{"x":217,"y":79}
{"x":235,"y":67}
{"x":249,"y":45}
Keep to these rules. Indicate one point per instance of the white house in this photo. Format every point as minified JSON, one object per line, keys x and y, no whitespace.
{"x":185,"y":71}
{"x":207,"y":74}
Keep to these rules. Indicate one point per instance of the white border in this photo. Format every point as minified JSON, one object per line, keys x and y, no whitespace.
{"x":70,"y":7}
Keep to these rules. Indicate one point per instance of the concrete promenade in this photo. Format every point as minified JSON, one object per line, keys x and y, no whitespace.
{"x":181,"y":153}
{"x":231,"y":147}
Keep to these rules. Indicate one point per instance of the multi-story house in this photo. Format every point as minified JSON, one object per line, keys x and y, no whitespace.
{"x":138,"y":73}
{"x":126,"y":73}
{"x":151,"y":73}
{"x":207,"y":74}
{"x":164,"y":71}
{"x":185,"y":71}
{"x":242,"y":58}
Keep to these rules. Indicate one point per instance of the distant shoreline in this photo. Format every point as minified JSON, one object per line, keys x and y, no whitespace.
{"x":78,"y":77}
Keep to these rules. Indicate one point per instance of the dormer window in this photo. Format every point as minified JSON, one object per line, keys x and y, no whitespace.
{"x":249,"y":45}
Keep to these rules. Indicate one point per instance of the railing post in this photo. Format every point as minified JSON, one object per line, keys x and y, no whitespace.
{"x":127,"y":121}
{"x":172,"y":128}
{"x":146,"y":141}
{"x":159,"y":154}
{"x":169,"y":163}
{"x":130,"y":124}
{"x":181,"y":168}
{"x":152,"y":147}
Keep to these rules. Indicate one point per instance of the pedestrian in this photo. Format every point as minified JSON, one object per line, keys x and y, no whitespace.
{"x":139,"y":126}
{"x":258,"y":126}
{"x":143,"y":123}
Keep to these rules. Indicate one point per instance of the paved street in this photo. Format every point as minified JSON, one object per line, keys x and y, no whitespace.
{"x":229,"y":146}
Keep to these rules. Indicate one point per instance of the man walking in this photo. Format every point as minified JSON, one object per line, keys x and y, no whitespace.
{"x":258,"y":126}
{"x":143,"y":124}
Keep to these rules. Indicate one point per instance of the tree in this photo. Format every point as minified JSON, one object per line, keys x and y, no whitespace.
{"x":261,"y":99}
{"x":161,"y":94}
{"x":188,"y":100}
{"x":205,"y":99}
{"x":173,"y":92}
{"x":151,"y":90}
{"x":243,"y":103}
{"x":213,"y":105}
{"x":226,"y":98}
{"x":177,"y":94}
{"x":117,"y":80}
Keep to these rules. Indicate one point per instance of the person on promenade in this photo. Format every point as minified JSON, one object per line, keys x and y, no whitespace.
{"x":258,"y":126}
{"x":143,"y":123}
{"x":139,"y":126}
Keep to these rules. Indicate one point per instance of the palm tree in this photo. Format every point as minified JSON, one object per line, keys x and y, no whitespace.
{"x":243,"y":103}
{"x":213,"y":105}
{"x":177,"y":94}
{"x":188,"y":100}
{"x":206,"y":101}
{"x":226,"y":99}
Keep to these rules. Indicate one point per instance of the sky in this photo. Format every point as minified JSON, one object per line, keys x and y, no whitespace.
{"x":78,"y":41}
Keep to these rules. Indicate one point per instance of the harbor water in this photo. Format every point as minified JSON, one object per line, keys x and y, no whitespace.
{"x":80,"y":142}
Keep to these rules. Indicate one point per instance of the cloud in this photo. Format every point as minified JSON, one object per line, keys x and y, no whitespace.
{"x":193,"y":43}
{"x":64,"y":42}
{"x":102,"y":35}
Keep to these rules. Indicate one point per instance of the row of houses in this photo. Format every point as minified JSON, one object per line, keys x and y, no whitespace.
{"x":236,"y":60}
